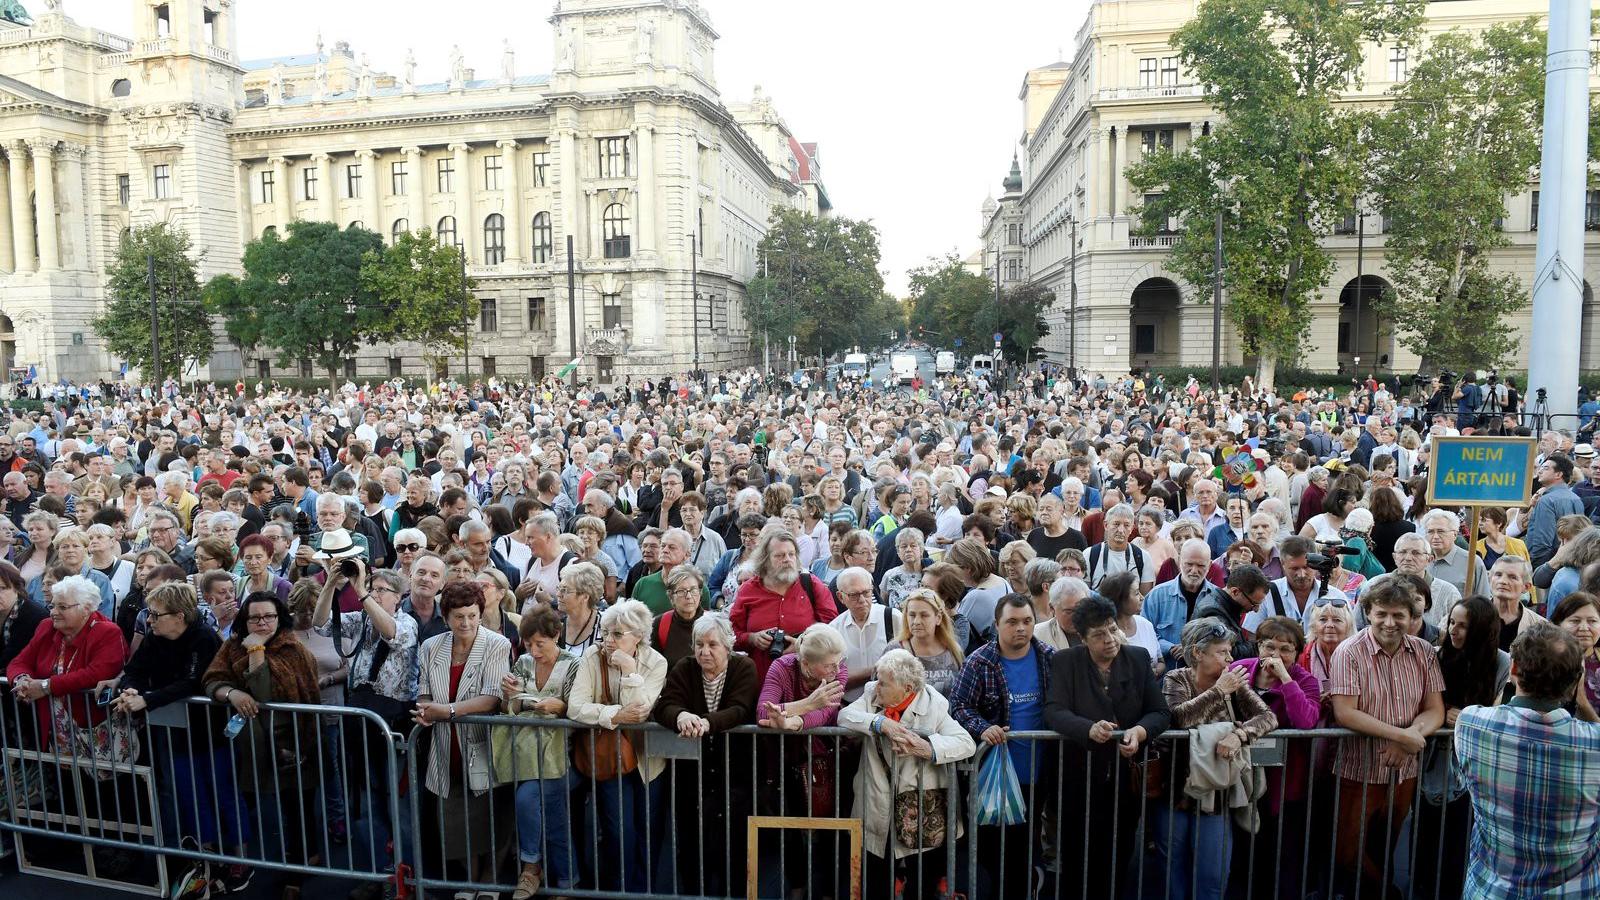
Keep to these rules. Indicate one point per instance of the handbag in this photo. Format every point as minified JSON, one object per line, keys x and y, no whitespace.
{"x":107,"y":745}
{"x":921,"y":817}
{"x":604,"y":753}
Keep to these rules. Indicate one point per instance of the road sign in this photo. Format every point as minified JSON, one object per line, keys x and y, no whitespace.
{"x":997,"y":337}
{"x":1482,"y":471}
{"x":958,"y":342}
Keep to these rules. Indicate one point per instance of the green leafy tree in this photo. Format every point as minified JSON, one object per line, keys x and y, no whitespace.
{"x":1280,"y":162}
{"x":303,"y":296}
{"x":949,"y":303}
{"x":423,"y":283}
{"x":821,"y":283}
{"x":125,"y":324}
{"x":1462,"y":135}
{"x":222,"y":298}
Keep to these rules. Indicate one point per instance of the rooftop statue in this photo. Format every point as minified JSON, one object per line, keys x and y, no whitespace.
{"x":13,"y":11}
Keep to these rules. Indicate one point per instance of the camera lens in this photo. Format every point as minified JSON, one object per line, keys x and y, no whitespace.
{"x":349,"y":568}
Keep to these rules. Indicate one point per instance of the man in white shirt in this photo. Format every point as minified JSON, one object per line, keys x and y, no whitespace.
{"x":865,"y":626}
{"x":1293,"y":594}
{"x":1117,"y":553}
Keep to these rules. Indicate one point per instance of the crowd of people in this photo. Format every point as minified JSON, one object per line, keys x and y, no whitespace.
{"x":956,"y":569}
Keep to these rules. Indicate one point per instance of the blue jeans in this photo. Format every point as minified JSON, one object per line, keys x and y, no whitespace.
{"x":200,"y":799}
{"x":543,"y":828}
{"x":332,"y":774}
{"x":1198,"y":849}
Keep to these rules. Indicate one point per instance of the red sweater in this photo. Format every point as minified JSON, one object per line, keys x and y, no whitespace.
{"x":95,"y":655}
{"x":758,"y":609}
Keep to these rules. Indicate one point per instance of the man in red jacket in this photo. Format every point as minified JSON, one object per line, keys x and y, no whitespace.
{"x":778,"y":599}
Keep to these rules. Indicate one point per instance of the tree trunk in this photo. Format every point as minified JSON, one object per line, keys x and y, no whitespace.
{"x":1266,"y":370}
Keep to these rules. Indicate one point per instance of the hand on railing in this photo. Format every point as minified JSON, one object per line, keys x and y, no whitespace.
{"x":995,"y":735}
{"x":1131,"y":740}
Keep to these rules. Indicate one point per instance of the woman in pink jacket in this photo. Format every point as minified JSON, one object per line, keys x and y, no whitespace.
{"x":1294,"y":696}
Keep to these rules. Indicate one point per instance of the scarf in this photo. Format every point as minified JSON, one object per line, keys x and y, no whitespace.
{"x":289,"y":663}
{"x":893,"y":713}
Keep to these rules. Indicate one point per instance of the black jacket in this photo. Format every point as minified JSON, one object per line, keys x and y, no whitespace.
{"x":167,"y":671}
{"x":1075,"y":700}
{"x":18,"y":629}
{"x":1218,"y":604}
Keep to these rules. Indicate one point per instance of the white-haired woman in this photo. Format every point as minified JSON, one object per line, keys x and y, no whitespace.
{"x":580,"y":598}
{"x":1195,"y":835}
{"x":105,"y":557}
{"x":705,"y":694}
{"x":910,"y":741}
{"x":618,"y":683}
{"x":80,"y":650}
{"x":900,"y":581}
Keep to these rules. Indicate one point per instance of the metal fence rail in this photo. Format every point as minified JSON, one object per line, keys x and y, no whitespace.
{"x":641,"y":811}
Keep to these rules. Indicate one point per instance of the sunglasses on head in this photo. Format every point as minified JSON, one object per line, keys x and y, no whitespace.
{"x":1331,"y":601}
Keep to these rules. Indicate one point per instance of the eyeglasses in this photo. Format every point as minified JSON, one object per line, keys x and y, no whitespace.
{"x":683,"y":593}
{"x":617,"y":634}
{"x":263,"y":620}
{"x":157,"y":615}
{"x":856,"y":595}
{"x":407,"y":548}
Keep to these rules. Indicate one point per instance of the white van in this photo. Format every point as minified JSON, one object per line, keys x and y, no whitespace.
{"x":944,"y":363}
{"x":904,"y":367}
{"x":983,"y":364}
{"x":855,"y":367}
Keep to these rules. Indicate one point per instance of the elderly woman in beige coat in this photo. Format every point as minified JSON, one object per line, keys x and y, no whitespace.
{"x":910,"y":742}
{"x":617,"y":684}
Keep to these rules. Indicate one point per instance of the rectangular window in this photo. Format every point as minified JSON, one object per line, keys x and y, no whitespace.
{"x":488,"y":316}
{"x":1147,"y":72}
{"x":1169,"y":224}
{"x":124,"y":189}
{"x":350,"y":368}
{"x":613,"y":157}
{"x":397,"y":178}
{"x":308,"y":183}
{"x":1144,"y":338}
{"x":352,"y":181}
{"x":536,"y":322}
{"x":394,"y":366}
{"x":1347,"y":225}
{"x":541,"y":169}
{"x":268,"y":182}
{"x":491,"y":172}
{"x":161,"y":182}
{"x":1591,"y":211}
{"x":536,"y":368}
{"x":1169,"y":71}
{"x":447,"y":175}
{"x":1344,"y":337}
{"x":1533,"y":213}
{"x":264,"y":369}
{"x":603,"y":369}
{"x":488,"y":367}
{"x":611,"y":310}
{"x":1152,"y":139}
{"x":1397,"y":63}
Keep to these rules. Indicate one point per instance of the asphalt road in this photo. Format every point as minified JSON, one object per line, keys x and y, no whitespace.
{"x":880,"y":366}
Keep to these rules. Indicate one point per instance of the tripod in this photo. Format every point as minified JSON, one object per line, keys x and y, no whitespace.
{"x":1541,"y":410}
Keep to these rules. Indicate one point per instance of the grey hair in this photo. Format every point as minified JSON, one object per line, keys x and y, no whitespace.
{"x":411,"y":535}
{"x":629,"y":615}
{"x":330,"y":501}
{"x":744,"y":494}
{"x":1040,"y":573}
{"x":586,"y":578}
{"x":717,"y":625}
{"x":907,"y":534}
{"x":604,"y":498}
{"x":1199,"y":635}
{"x":1120,"y":511}
{"x":1076,"y":587}
{"x":55,"y":523}
{"x":818,"y":642}
{"x":903,"y":669}
{"x":390,"y":577}
{"x":1409,"y":538}
{"x":1194,"y":544}
{"x":678,"y":534}
{"x":223,"y":517}
{"x":151,"y":515}
{"x":471,"y":527}
{"x":854,"y":572}
{"x":545,"y":523}
{"x":1438,"y":514}
{"x":685,"y":573}
{"x":78,"y":590}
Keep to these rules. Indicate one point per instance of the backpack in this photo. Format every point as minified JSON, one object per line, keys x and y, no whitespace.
{"x":1096,"y":554}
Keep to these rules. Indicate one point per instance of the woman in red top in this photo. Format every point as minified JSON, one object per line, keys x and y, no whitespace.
{"x":778,"y":598}
{"x":76,"y":650}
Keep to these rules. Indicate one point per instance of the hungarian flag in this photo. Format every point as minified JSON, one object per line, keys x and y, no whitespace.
{"x":569,"y":367}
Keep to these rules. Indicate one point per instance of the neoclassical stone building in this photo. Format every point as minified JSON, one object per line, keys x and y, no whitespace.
{"x":626,"y":148}
{"x":1124,"y":93}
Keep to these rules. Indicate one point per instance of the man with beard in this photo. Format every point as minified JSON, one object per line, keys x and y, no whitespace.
{"x":1170,"y":605}
{"x":775,"y":605}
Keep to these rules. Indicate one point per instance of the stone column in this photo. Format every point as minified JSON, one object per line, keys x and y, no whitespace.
{"x":570,"y":197}
{"x":1093,"y":152}
{"x":327,"y":191}
{"x":646,"y":206}
{"x":372,"y":211}
{"x":21,"y":213}
{"x":283,"y":199}
{"x":241,"y":190}
{"x":416,"y":186}
{"x":1114,"y":173}
{"x":8,"y":259}
{"x":510,"y":166}
{"x":595,"y":206}
{"x":465,"y":223}
{"x":44,"y":189}
{"x":76,"y":225}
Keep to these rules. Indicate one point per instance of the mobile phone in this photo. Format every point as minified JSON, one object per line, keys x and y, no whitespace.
{"x":105,"y":697}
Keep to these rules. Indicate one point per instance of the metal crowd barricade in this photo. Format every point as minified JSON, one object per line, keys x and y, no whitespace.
{"x":168,"y":785}
{"x":1097,"y":826}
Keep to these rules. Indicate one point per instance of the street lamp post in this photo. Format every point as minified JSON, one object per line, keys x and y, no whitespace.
{"x":1361,"y":285}
{"x":1216,"y":310}
{"x":694,"y":288}
{"x":1072,"y":349}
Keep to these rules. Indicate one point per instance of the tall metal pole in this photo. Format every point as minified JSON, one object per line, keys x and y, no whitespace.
{"x":466,"y":324}
{"x":1563,"y":176}
{"x":1216,"y":311}
{"x":694,"y":288}
{"x":1361,"y":285}
{"x":572,"y":311}
{"x":1072,"y":351}
{"x":999,"y":356}
{"x":155,"y":323}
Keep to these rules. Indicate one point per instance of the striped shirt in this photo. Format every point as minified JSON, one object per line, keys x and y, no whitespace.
{"x":1388,"y":687}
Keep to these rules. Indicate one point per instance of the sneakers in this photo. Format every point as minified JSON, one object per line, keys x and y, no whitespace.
{"x":232,"y":879}
{"x":528,"y":884}
{"x":193,"y":884}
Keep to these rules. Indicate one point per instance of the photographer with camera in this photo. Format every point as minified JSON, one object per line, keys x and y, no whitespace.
{"x":1305,"y":581}
{"x":1468,"y":397}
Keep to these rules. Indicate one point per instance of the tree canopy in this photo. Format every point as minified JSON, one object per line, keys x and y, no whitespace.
{"x":949,"y":302}
{"x":1280,"y":162}
{"x":821,"y":284}
{"x":423,"y":283}
{"x":125,"y":324}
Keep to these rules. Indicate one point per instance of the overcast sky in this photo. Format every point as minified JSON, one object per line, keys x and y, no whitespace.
{"x":914,"y":102}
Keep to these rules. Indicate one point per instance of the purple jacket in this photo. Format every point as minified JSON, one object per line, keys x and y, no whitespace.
{"x":1298,"y":705}
{"x":783,"y":685}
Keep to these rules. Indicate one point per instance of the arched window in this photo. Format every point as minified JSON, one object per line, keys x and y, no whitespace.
{"x":270,"y":231}
{"x":122,"y":87}
{"x":542,"y":238}
{"x":357,"y":225}
{"x":617,"y":243}
{"x":401,"y":226}
{"x":494,"y":239}
{"x":446,"y":231}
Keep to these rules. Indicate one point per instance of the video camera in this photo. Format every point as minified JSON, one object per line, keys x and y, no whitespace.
{"x":1325,"y":561}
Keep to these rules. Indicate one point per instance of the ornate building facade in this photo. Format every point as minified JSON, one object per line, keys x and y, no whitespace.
{"x":626,"y":148}
{"x":1124,"y":93}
